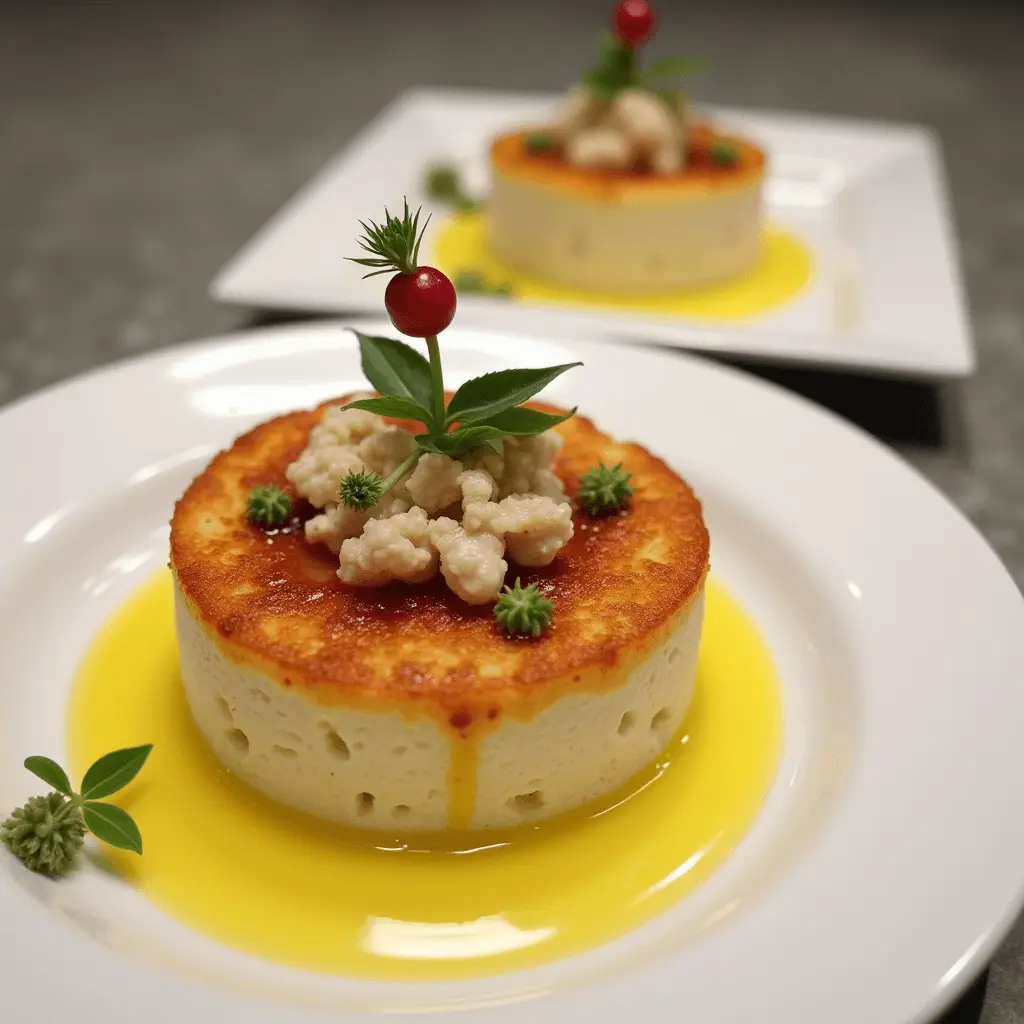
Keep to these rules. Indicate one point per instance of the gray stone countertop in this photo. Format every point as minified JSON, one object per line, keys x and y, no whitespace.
{"x":141,"y":144}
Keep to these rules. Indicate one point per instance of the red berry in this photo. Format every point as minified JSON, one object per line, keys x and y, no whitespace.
{"x":633,"y":21}
{"x":421,"y":303}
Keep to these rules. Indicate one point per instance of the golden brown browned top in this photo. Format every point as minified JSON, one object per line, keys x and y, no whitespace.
{"x":702,"y":176}
{"x":274,"y":599}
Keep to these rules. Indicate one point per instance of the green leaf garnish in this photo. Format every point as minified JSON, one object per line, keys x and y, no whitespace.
{"x":492,"y":393}
{"x":47,"y":832}
{"x":113,"y":825}
{"x":523,"y":422}
{"x":483,"y":411}
{"x":457,"y":442}
{"x":614,"y":70}
{"x":395,"y":369}
{"x":673,"y":66}
{"x":538,"y":142}
{"x":724,"y":153}
{"x":398,"y":408}
{"x":605,"y":489}
{"x":523,"y":610}
{"x":50,"y":772}
{"x":394,"y":246}
{"x":114,"y":771}
{"x":268,"y":506}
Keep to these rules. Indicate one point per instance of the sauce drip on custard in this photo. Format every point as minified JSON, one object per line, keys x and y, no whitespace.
{"x":229,"y":863}
{"x":783,"y":271}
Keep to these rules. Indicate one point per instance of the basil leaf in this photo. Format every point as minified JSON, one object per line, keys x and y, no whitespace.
{"x":50,"y":772}
{"x":523,"y":422}
{"x":492,"y":393}
{"x":395,"y":368}
{"x":614,"y":68}
{"x":114,"y":771}
{"x":459,"y":441}
{"x":427,"y":443}
{"x":400,"y":408}
{"x":113,"y":826}
{"x":674,"y":65}
{"x":600,"y":85}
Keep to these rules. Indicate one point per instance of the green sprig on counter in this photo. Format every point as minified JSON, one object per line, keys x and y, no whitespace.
{"x":523,"y":610}
{"x":47,"y":832}
{"x":268,"y":506}
{"x":605,"y":489}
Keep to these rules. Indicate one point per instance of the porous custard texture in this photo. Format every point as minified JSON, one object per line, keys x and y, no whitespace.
{"x":624,"y":241}
{"x":407,"y":770}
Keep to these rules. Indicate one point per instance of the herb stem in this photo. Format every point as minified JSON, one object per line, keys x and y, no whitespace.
{"x":436,"y":384}
{"x":400,"y":470}
{"x":629,"y":66}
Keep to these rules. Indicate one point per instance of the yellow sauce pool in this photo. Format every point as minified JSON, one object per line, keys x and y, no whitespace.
{"x":782,"y":272}
{"x":270,"y":882}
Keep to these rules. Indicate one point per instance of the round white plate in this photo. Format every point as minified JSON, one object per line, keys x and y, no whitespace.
{"x":889,"y":859}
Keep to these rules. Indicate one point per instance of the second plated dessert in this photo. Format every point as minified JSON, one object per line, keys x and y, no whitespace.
{"x":350,"y":641}
{"x":625,"y":190}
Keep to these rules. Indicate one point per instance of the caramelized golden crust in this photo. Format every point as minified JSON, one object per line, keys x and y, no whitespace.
{"x":511,"y":158}
{"x":275,"y":602}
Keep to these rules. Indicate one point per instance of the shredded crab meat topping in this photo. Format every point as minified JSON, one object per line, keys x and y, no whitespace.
{"x":534,"y":526}
{"x":434,"y":483}
{"x":472,"y":564}
{"x":513,"y":499}
{"x":397,"y":548}
{"x":637,"y":128}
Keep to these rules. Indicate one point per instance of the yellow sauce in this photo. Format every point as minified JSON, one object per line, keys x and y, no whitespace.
{"x":276,"y":884}
{"x":782,"y":272}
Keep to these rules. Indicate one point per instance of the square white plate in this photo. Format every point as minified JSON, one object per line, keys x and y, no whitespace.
{"x":867,"y":199}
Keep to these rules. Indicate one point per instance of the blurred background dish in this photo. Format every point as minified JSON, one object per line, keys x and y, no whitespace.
{"x":858,"y":267}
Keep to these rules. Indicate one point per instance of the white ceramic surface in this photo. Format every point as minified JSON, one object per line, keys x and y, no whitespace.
{"x":889,"y":858}
{"x":867,"y":198}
